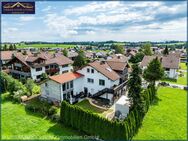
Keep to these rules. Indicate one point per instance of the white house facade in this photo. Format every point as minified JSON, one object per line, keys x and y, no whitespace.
{"x":62,"y":87}
{"x":95,"y":79}
{"x":170,"y":64}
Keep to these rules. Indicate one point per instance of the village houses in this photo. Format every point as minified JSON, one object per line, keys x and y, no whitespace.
{"x":104,"y":79}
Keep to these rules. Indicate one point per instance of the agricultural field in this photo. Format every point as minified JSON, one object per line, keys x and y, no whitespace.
{"x":171,"y":44}
{"x":166,"y":120}
{"x":45,"y":45}
{"x":18,"y":123}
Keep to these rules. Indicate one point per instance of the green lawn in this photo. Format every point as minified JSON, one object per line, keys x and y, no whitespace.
{"x":181,"y":80}
{"x":20,"y":124}
{"x":183,"y":66}
{"x":87,"y":106}
{"x":166,"y":120}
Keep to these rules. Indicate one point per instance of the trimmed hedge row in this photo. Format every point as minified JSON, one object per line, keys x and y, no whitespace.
{"x":90,"y":123}
{"x":149,"y":96}
{"x":93,"y":124}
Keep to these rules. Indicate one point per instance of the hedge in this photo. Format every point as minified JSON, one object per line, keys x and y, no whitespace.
{"x":93,"y":124}
{"x":90,"y":123}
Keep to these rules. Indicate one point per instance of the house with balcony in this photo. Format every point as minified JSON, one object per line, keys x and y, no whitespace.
{"x":34,"y":65}
{"x":96,"y":79}
{"x":170,"y":64}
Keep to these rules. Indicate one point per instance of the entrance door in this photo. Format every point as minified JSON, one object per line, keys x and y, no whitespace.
{"x":85,"y":90}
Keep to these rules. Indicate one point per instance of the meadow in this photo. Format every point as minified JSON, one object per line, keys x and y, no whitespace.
{"x":167,"y":119}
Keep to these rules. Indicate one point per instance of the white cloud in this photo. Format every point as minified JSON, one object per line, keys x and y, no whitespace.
{"x":93,"y":7}
{"x":103,"y":21}
{"x":11,"y":29}
{"x":47,"y":9}
{"x":90,"y":32}
{"x":27,"y":18}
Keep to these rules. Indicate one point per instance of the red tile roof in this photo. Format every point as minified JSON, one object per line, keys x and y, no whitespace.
{"x":66,"y":77}
{"x":6,"y":55}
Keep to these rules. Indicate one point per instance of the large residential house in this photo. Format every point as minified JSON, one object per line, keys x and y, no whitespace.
{"x":34,"y":65}
{"x":97,"y":79}
{"x":170,"y":63}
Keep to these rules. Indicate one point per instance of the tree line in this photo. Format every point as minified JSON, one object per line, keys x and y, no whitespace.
{"x":8,"y":47}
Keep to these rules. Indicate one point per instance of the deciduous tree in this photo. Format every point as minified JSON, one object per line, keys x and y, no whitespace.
{"x":29,"y":85}
{"x":118,"y":49}
{"x":80,"y":60}
{"x":147,"y":49}
{"x":65,"y":52}
{"x":153,"y":72}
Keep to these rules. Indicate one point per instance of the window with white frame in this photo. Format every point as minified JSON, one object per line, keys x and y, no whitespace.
{"x":90,"y":80}
{"x":101,"y":82}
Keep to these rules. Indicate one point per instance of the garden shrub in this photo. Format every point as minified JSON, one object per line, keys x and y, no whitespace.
{"x":52,"y":110}
{"x":55,"y":117}
{"x":36,"y":89}
{"x":43,"y":107}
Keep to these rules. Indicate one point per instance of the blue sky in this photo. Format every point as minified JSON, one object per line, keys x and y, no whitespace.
{"x":98,"y":21}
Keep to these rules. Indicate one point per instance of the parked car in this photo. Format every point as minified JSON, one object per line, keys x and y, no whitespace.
{"x":164,"y":84}
{"x":175,"y":86}
{"x":185,"y":88}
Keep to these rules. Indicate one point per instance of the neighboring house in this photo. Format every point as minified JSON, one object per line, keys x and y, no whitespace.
{"x":101,"y":54}
{"x":5,"y":57}
{"x":34,"y":65}
{"x":61,"y":87}
{"x":96,"y":79}
{"x":131,"y":54}
{"x":90,"y":55}
{"x":72,"y":55}
{"x":119,"y":63}
{"x":170,"y":63}
{"x":183,"y":57}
